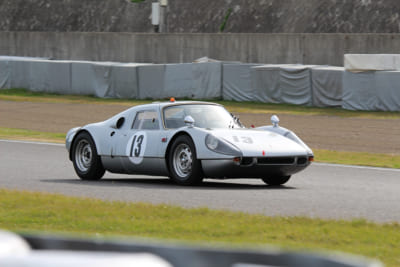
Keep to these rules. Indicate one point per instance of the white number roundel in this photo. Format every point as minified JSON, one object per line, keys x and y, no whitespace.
{"x":136,"y":147}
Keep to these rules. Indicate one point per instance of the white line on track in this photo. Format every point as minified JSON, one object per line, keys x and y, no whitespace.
{"x":315,"y":163}
{"x":355,"y":167}
{"x":31,"y":142}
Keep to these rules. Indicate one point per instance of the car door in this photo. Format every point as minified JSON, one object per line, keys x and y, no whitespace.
{"x":136,"y":145}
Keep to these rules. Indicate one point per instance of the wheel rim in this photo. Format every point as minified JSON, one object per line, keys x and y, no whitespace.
{"x":83,"y":155}
{"x":182,"y":160}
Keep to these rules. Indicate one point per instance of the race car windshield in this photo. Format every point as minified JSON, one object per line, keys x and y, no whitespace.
{"x":205,"y":116}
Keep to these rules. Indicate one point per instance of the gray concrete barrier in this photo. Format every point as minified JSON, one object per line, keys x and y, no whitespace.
{"x":319,"y":49}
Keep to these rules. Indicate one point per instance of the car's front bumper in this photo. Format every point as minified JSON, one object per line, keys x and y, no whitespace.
{"x":254,"y":167}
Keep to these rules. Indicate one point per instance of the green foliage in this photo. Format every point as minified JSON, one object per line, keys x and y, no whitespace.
{"x":137,"y":1}
{"x":223,"y":24}
{"x":25,"y":211}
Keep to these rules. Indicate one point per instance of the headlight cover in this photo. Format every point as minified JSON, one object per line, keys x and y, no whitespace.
{"x":221,"y":146}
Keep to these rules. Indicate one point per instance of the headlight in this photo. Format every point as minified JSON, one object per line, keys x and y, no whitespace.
{"x":221,"y":146}
{"x":211,"y":142}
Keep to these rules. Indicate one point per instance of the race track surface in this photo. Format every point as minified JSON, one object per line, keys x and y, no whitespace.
{"x":322,"y":190}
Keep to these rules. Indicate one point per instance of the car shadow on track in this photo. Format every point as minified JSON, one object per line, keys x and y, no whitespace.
{"x":167,"y":183}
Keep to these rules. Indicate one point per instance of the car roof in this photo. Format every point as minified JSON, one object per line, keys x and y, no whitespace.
{"x":160,"y":105}
{"x":174,"y":103}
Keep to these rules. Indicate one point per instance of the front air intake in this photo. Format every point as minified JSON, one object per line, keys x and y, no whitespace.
{"x":276,"y":160}
{"x":302,"y":160}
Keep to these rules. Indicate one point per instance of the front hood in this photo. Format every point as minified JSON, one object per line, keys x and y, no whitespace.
{"x":257,"y":143}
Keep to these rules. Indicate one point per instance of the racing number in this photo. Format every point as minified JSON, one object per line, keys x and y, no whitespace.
{"x":136,"y":145}
{"x":243,"y":139}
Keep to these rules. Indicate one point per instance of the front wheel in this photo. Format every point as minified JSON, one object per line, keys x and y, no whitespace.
{"x":276,"y":180}
{"x":87,"y":163}
{"x":184,"y":167}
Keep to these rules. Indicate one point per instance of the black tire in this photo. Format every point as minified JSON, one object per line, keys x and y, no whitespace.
{"x":184,"y":167}
{"x":276,"y":180}
{"x":87,"y":163}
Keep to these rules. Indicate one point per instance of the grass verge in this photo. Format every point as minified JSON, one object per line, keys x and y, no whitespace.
{"x":327,"y":156}
{"x":358,"y":158}
{"x":233,"y":106}
{"x":26,"y":211}
{"x":28,"y":135}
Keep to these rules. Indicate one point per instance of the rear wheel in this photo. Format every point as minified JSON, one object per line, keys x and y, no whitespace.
{"x":276,"y":180}
{"x":184,"y":167}
{"x":87,"y":163}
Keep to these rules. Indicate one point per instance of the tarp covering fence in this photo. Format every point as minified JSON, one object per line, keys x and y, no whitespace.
{"x":292,"y":84}
{"x":371,"y":90}
{"x":111,"y":79}
{"x":327,"y":86}
{"x":321,"y":86}
{"x":237,"y":82}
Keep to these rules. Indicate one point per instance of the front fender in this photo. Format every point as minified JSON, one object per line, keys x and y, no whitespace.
{"x":70,"y":137}
{"x":72,"y":134}
{"x":288,"y":134}
{"x":198,"y":136}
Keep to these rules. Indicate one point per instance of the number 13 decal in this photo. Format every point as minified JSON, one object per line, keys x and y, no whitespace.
{"x":243,"y":139}
{"x":136,"y":147}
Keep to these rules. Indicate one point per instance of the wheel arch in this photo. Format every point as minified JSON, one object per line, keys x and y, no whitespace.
{"x":176,"y":135}
{"x":74,"y":139}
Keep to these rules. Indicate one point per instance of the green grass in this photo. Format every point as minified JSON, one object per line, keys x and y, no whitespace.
{"x":23,"y":95}
{"x":28,"y":135}
{"x":358,"y":158}
{"x":26,"y":212}
{"x":233,"y":106}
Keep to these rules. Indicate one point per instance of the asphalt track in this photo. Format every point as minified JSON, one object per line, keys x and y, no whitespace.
{"x":321,"y":191}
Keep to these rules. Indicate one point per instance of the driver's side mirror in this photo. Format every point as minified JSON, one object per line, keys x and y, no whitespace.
{"x":189,"y":121}
{"x":275,"y":120}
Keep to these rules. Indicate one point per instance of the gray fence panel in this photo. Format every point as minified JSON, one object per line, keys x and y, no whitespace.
{"x":327,"y":86}
{"x":38,"y":75}
{"x":359,"y":91}
{"x":321,"y":86}
{"x":124,"y":81}
{"x":20,"y":74}
{"x":237,"y":82}
{"x":91,"y":78}
{"x":59,"y":77}
{"x":295,"y":85}
{"x":50,"y":76}
{"x":151,"y":81}
{"x":4,"y":74}
{"x":266,"y":83}
{"x":388,"y":91}
{"x":178,"y":81}
{"x":207,"y":80}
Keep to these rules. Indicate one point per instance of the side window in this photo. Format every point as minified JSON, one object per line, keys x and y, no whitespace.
{"x":146,"y":120}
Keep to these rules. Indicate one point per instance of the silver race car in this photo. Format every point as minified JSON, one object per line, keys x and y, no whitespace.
{"x":187,"y":141}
